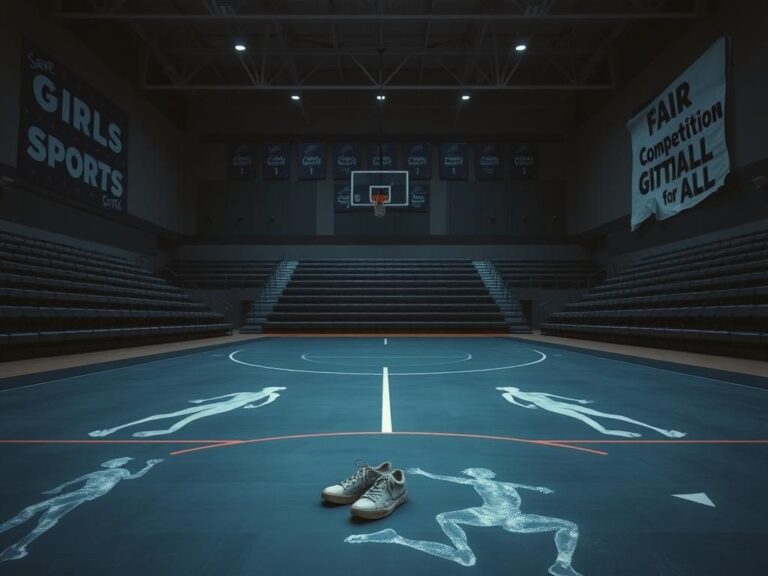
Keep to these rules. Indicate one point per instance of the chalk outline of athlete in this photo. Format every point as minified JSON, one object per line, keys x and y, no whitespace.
{"x":544,"y":401}
{"x":501,"y":508}
{"x":97,"y":484}
{"x":237,"y":400}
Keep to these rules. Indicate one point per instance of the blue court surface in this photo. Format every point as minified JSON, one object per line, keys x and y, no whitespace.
{"x":521,"y":458}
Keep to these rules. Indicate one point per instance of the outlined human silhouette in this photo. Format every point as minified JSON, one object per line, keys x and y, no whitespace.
{"x":97,"y":484}
{"x":501,"y":508}
{"x":236,"y":400}
{"x":547,"y":402}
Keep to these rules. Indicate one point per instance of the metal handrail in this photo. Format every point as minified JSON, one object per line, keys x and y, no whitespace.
{"x":270,"y":285}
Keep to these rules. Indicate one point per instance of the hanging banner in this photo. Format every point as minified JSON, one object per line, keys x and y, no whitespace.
{"x":242,"y":162}
{"x":72,"y":139}
{"x":382,"y":156}
{"x":342,"y":198}
{"x":419,"y":197}
{"x":679,"y":152}
{"x":524,"y":162}
{"x":418,"y":159}
{"x":488,"y":162}
{"x":346,"y":159}
{"x":312,"y":161}
{"x":277,"y":161}
{"x":453,"y":161}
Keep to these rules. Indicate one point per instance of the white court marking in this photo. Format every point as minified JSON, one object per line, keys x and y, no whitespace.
{"x":385,"y":341}
{"x":541,"y":358}
{"x":326,"y":359}
{"x":500,"y":509}
{"x":698,"y":498}
{"x":95,"y":485}
{"x":386,"y":412}
{"x":233,"y":401}
{"x":576,"y":410}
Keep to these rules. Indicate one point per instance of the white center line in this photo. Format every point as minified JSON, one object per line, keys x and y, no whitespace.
{"x":386,"y":414}
{"x":385,"y":341}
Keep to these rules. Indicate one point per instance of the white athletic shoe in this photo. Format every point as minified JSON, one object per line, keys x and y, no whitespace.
{"x":384,"y":496}
{"x":350,"y":489}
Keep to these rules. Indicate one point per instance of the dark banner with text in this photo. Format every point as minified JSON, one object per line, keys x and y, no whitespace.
{"x":453,"y":161}
{"x":346,"y":159}
{"x":488,"y":162}
{"x":419,"y":161}
{"x":242,"y":162}
{"x":277,"y":161}
{"x":72,"y":139}
{"x":312,"y":161}
{"x":382,"y":156}
{"x":524,"y":165}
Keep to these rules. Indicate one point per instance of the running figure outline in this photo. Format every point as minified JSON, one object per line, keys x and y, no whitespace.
{"x":236,"y":400}
{"x":501,"y":508}
{"x":546,"y":402}
{"x":97,"y":484}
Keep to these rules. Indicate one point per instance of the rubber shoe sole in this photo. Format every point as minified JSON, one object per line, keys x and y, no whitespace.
{"x":339,"y":499}
{"x":381,"y":512}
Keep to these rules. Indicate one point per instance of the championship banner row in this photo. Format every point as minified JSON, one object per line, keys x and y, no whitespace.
{"x":275,"y":160}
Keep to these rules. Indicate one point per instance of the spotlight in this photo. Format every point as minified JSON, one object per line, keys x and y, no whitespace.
{"x":240,"y":47}
{"x":521,"y":47}
{"x":381,"y":97}
{"x":295,"y":97}
{"x":465,"y":97}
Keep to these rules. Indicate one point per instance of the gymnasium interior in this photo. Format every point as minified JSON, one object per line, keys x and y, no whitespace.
{"x":435,"y":287}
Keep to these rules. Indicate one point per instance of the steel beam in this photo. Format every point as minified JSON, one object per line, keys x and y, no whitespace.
{"x":376,"y":87}
{"x":379,"y":18}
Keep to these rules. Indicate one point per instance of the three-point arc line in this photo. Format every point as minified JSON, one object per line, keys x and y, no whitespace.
{"x":578,"y":445}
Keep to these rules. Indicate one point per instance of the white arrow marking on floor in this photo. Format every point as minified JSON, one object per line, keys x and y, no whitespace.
{"x":386,"y":414}
{"x":698,"y":498}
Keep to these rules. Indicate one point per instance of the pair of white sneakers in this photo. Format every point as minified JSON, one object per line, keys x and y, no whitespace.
{"x":373,"y":492}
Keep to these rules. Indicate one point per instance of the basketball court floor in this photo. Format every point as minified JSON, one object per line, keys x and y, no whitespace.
{"x":521,"y":458}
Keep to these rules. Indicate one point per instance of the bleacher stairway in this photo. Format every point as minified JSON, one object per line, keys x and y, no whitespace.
{"x":264,"y":305}
{"x":510,"y":308}
{"x":385,"y":296}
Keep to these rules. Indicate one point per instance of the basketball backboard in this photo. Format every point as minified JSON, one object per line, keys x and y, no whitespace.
{"x":368,"y":183}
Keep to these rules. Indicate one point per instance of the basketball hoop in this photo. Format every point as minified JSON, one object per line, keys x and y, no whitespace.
{"x":379,"y":206}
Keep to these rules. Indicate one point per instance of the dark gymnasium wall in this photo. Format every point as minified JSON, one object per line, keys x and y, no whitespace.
{"x":601,"y":164}
{"x":156,"y":203}
{"x":180,"y":185}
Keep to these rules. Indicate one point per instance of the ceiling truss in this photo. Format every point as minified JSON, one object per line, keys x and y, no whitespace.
{"x":379,"y":45}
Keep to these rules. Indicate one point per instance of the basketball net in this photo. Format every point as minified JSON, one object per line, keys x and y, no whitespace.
{"x":379,"y":206}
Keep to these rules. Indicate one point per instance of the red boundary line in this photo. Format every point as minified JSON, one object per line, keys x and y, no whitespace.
{"x":564,"y":443}
{"x":554,"y":444}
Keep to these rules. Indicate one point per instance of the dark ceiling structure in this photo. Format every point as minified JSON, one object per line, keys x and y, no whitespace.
{"x":386,"y":46}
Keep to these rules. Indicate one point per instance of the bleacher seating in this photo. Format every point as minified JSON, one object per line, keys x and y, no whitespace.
{"x":386,"y":296}
{"x":56,"y":298}
{"x":555,"y":274}
{"x":712,"y":297}
{"x":218,"y":274}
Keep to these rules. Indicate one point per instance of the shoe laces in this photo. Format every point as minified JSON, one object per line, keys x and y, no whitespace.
{"x":384,"y":482}
{"x":362,"y":470}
